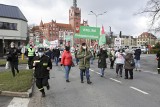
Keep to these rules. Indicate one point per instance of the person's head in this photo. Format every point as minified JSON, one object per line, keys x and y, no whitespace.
{"x":12,"y":45}
{"x":40,"y":51}
{"x":30,"y":46}
{"x":67,"y":48}
{"x":84,"y":46}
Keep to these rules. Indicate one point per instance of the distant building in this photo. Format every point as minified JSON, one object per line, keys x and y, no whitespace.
{"x":13,"y":27}
{"x":57,"y":31}
{"x":146,"y":39}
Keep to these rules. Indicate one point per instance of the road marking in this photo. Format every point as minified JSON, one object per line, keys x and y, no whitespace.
{"x":115,"y":80}
{"x":149,"y":72}
{"x":139,"y":90}
{"x":95,"y":71}
{"x":19,"y":102}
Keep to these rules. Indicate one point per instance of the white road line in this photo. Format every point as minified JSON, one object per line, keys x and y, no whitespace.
{"x":150,"y":72}
{"x":139,"y":90}
{"x":115,"y":80}
{"x":95,"y":72}
{"x":19,"y":102}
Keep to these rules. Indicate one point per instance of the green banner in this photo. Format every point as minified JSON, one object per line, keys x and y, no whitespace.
{"x":86,"y":30}
{"x":86,"y":36}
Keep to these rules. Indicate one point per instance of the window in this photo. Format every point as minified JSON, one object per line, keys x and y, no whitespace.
{"x":8,"y":26}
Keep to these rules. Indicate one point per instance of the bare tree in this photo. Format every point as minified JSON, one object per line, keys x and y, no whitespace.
{"x":153,"y":10}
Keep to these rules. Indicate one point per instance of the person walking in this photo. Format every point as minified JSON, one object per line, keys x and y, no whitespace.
{"x":102,"y":61}
{"x":119,"y":62}
{"x":84,"y":56}
{"x":129,"y":64}
{"x":49,"y":53}
{"x":137,"y":59}
{"x":158,"y":59}
{"x":56,"y":55}
{"x":30,"y":54}
{"x":13,"y":54}
{"x":42,"y":65}
{"x":92,"y":53}
{"x":67,"y":62}
{"x":76,"y":52}
{"x":112,"y":58}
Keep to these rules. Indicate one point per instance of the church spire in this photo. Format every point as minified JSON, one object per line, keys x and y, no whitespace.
{"x":75,"y":3}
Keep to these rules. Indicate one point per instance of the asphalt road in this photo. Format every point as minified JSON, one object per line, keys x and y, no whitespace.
{"x":110,"y":91}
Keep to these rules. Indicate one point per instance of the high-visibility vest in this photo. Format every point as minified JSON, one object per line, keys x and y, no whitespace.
{"x":31,"y":52}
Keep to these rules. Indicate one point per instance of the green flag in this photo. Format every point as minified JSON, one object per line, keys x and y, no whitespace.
{"x":102,"y":40}
{"x":27,"y":46}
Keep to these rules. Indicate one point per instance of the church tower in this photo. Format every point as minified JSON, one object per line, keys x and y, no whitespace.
{"x":74,"y":15}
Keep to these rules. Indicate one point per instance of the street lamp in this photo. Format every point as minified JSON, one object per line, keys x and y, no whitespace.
{"x":93,"y":13}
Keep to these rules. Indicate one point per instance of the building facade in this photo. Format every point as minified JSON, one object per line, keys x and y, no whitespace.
{"x":13,"y":27}
{"x":146,"y":39}
{"x":59,"y":31}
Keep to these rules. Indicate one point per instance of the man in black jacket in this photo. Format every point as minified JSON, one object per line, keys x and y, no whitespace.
{"x":42,"y":65}
{"x":137,"y":58}
{"x":57,"y":54}
{"x":13,"y":56}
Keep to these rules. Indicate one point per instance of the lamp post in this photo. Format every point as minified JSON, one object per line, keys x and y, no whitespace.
{"x":93,"y":13}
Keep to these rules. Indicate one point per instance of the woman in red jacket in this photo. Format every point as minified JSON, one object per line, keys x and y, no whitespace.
{"x":66,"y":61}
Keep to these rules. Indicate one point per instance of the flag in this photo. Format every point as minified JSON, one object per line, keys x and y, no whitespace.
{"x":102,"y":40}
{"x":102,"y":31}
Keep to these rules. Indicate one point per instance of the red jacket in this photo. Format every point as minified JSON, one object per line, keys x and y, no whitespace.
{"x":66,"y":59}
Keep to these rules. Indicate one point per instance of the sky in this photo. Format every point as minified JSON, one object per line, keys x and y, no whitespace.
{"x":120,"y":15}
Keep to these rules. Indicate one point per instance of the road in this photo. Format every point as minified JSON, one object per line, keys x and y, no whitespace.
{"x":110,"y":91}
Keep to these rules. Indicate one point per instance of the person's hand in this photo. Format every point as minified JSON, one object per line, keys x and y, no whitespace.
{"x":48,"y":68}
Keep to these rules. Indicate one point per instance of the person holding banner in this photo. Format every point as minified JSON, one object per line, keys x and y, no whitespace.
{"x":84,"y":56}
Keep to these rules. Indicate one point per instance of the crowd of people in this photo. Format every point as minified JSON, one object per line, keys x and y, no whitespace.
{"x":42,"y":59}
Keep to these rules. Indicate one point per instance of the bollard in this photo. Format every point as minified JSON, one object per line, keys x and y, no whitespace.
{"x":22,"y":56}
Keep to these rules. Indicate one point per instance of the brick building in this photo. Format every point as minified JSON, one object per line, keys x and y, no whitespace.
{"x":57,"y":31}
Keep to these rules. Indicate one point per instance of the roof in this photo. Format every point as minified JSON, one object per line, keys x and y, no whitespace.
{"x":62,"y":25}
{"x":12,"y":12}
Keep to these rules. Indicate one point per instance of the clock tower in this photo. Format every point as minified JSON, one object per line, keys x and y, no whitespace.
{"x":74,"y":15}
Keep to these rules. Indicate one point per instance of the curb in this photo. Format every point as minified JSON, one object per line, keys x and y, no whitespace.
{"x":27,"y":94}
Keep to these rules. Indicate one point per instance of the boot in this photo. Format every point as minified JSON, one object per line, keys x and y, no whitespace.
{"x":43,"y":94}
{"x":88,"y":81}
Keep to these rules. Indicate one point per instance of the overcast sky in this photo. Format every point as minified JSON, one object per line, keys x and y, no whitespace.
{"x":120,"y":13}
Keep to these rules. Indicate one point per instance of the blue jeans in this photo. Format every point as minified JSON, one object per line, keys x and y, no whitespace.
{"x":56,"y":60}
{"x":87,"y":73}
{"x":137,"y":63}
{"x":67,"y":70}
{"x":91,"y":60}
{"x":102,"y":71}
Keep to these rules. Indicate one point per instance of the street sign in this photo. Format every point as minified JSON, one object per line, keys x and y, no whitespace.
{"x":117,"y":42}
{"x":86,"y":30}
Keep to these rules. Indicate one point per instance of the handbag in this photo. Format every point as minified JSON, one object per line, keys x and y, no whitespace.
{"x":132,"y":63}
{"x":73,"y":64}
{"x":7,"y":65}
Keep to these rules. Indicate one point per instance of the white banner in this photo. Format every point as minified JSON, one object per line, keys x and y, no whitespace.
{"x":117,"y":42}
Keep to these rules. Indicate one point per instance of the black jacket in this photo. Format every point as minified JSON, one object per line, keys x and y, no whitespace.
{"x":102,"y":59}
{"x":137,"y":54}
{"x":41,"y":66}
{"x":13,"y":55}
{"x":57,"y":53}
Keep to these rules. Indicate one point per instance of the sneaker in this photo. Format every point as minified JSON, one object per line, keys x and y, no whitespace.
{"x":89,"y":82}
{"x":82,"y":82}
{"x":67,"y":81}
{"x":102,"y":76}
{"x":126,"y":78}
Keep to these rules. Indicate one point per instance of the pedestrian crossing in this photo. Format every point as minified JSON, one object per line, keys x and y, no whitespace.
{"x":19,"y":102}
